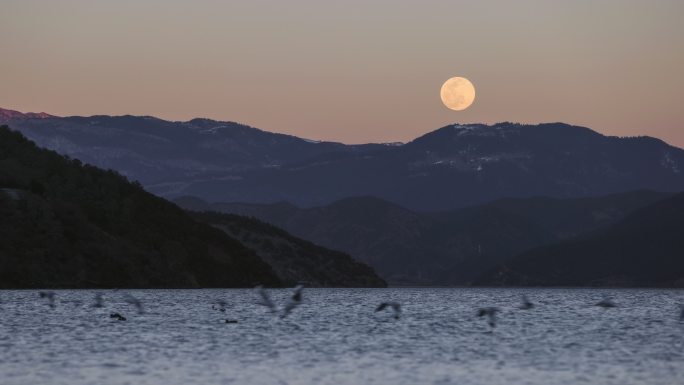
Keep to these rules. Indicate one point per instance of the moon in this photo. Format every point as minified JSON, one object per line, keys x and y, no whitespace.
{"x":457,"y":93}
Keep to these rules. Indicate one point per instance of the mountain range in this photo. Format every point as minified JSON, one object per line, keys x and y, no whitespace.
{"x":66,"y":224}
{"x":466,"y":204}
{"x":452,"y":167}
{"x":644,"y":249}
{"x":453,"y":247}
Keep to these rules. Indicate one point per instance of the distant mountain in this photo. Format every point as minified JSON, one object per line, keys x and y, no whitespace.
{"x":644,"y":249}
{"x":294,"y":260}
{"x":454,"y":166}
{"x":168,"y":157}
{"x":65,"y":224}
{"x":440,"y":248}
{"x":6,"y":115}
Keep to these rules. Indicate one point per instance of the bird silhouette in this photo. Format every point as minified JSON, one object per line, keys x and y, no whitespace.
{"x":395,"y":306}
{"x":220,"y":306}
{"x":526,"y":304}
{"x":99,"y":302}
{"x":50,"y":297}
{"x":606,"y":303}
{"x":135,"y":302}
{"x":294,"y":301}
{"x":490,"y":312}
{"x":265,"y":299}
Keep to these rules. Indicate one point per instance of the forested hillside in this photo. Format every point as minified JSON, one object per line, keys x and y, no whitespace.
{"x":66,"y":224}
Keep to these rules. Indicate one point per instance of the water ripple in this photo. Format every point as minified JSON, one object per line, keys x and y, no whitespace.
{"x":335,"y":337}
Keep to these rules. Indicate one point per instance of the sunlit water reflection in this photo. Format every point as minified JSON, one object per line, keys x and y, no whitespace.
{"x":335,"y":337}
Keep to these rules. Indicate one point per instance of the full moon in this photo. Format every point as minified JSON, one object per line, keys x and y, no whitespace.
{"x":457,"y":93}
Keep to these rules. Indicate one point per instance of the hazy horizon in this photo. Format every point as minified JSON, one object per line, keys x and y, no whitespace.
{"x":352,"y":72}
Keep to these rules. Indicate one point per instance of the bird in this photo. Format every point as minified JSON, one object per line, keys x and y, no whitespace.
{"x":50,"y":297}
{"x":221,"y":306}
{"x":265,"y":299}
{"x":117,"y":316}
{"x":526,"y":304}
{"x":606,"y":303}
{"x":490,"y":312}
{"x":98,"y":301}
{"x":294,"y":301}
{"x":134,"y":301}
{"x":395,"y":306}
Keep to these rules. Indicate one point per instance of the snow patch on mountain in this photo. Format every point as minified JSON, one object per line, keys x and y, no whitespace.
{"x":669,"y":162}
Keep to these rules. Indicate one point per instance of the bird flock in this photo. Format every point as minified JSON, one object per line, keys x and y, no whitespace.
{"x":296,"y":299}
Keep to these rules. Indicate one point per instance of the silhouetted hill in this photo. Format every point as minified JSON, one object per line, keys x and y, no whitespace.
{"x":644,"y":249}
{"x":64,"y":224}
{"x":454,"y":166}
{"x":446,"y":248}
{"x":293,"y":259}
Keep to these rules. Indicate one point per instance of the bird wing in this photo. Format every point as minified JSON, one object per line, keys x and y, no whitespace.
{"x":288,"y":308}
{"x":381,"y":307}
{"x":297,"y":295}
{"x":134,"y":301}
{"x":294,"y":301}
{"x":265,"y":298}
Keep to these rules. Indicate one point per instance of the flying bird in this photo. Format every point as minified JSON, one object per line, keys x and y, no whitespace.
{"x":294,"y":301}
{"x":606,"y":303}
{"x":395,"y":306}
{"x":265,"y":299}
{"x":526,"y":304}
{"x":135,"y":302}
{"x":490,"y":312}
{"x":99,"y":302}
{"x":50,"y":297}
{"x":220,"y":306}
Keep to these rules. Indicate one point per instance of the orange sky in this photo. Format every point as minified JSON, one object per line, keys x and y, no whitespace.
{"x":351,"y":71}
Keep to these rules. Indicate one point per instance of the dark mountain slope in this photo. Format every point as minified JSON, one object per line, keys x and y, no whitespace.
{"x":452,"y":167}
{"x":458,"y":166}
{"x":63,"y":224}
{"x":452,"y":247}
{"x":293,"y":259}
{"x":644,"y":249}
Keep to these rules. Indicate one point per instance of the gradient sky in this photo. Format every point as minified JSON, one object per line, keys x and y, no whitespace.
{"x":350,"y":71}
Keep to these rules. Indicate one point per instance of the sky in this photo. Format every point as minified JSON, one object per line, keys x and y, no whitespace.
{"x":350,"y":71}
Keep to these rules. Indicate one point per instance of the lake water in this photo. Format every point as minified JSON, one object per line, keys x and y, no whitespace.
{"x":335,"y":337}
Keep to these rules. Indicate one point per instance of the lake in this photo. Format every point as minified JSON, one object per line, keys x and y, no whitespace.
{"x":335,"y":337}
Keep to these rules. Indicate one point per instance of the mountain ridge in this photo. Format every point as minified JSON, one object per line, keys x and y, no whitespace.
{"x":455,"y":166}
{"x":65,"y":224}
{"x":451,"y":247}
{"x":643,"y":249}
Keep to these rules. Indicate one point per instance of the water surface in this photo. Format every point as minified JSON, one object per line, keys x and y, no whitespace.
{"x":335,"y":337}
